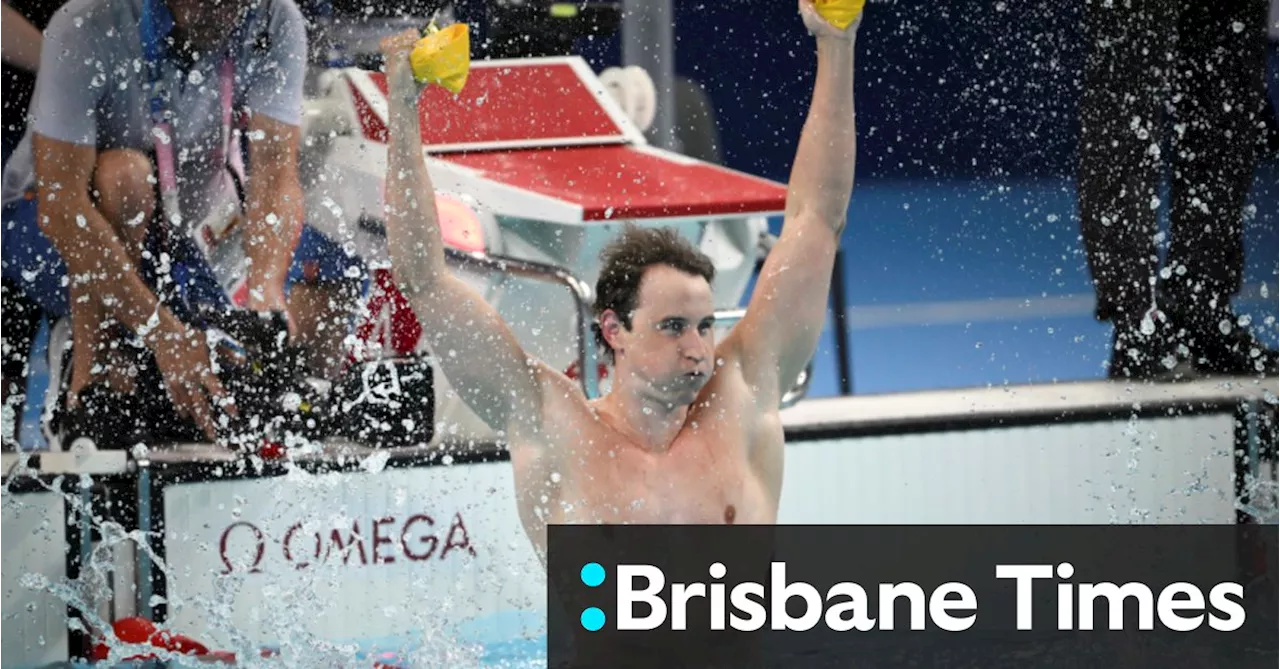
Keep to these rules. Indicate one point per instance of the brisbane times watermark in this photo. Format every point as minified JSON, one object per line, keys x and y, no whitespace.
{"x":644,"y":600}
{"x":665,"y":595}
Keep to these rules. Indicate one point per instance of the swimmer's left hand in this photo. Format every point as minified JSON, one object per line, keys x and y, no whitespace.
{"x":824,"y":18}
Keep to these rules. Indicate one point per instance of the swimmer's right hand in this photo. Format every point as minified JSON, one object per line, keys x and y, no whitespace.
{"x":183,"y":356}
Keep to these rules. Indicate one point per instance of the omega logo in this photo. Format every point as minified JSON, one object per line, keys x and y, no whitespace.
{"x":243,"y":545}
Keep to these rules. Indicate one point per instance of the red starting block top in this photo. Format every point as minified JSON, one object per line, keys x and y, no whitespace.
{"x":546,"y":126}
{"x":628,"y":182}
{"x":513,"y":105}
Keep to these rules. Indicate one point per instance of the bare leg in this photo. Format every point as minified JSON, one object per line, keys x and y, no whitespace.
{"x":125,"y":197}
{"x":321,"y":312}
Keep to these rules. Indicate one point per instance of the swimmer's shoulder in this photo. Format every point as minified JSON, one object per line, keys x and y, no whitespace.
{"x":555,"y":385}
{"x":561,"y":405}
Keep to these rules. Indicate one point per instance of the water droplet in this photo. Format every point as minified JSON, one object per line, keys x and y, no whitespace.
{"x":1237,"y":26}
{"x":1225,"y":326}
{"x":195,"y":77}
{"x":375,"y":463}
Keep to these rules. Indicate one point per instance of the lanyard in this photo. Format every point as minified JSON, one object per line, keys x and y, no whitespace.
{"x":159,"y":104}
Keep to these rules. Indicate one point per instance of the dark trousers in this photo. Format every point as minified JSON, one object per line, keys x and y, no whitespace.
{"x":1169,"y":84}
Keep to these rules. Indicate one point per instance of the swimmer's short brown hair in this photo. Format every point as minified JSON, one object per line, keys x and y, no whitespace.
{"x":624,"y":261}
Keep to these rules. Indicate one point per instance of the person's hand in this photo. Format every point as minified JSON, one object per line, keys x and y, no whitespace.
{"x":265,"y":292}
{"x":395,"y":53}
{"x":821,"y":28}
{"x":182,"y":354}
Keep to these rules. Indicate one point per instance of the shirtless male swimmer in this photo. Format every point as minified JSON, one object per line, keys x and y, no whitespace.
{"x":690,"y":431}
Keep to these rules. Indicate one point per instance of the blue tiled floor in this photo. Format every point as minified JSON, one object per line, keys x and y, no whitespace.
{"x":959,"y":284}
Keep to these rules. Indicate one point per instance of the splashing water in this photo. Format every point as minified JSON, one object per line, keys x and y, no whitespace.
{"x":1264,"y":501}
{"x":285,"y":608}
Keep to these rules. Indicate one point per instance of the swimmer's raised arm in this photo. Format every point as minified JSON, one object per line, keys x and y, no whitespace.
{"x":476,"y":350}
{"x":780,"y":331}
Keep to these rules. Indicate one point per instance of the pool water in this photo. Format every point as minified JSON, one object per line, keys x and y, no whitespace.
{"x":400,"y":653}
{"x":512,"y":639}
{"x":516,"y":653}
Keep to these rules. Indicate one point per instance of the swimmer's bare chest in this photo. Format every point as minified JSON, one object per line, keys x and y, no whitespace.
{"x":705,"y":477}
{"x":723,"y":468}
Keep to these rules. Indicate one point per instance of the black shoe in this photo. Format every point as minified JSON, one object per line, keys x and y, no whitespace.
{"x":101,"y":419}
{"x":164,"y":425}
{"x":1146,"y":349}
{"x":1229,"y":349}
{"x":264,"y":336}
{"x":1217,"y":341}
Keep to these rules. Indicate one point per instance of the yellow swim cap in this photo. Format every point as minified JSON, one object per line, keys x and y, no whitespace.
{"x":839,"y":13}
{"x":443,"y":57}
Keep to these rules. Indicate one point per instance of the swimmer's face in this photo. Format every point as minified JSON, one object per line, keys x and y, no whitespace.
{"x":206,"y":23}
{"x":670,"y":348}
